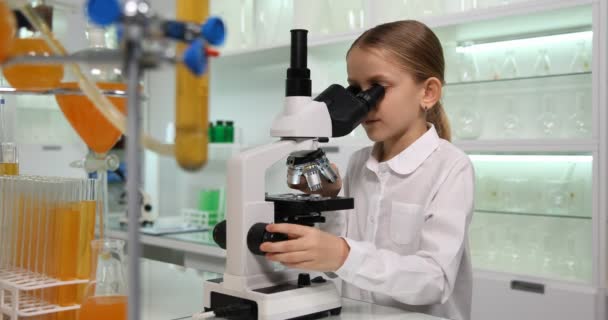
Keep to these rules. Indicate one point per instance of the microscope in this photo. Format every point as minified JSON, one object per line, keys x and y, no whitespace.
{"x":253,"y":287}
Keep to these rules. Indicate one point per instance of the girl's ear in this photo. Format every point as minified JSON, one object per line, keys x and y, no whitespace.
{"x":431,"y":94}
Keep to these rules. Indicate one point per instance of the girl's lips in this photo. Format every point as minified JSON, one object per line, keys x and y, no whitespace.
{"x":370,"y":121}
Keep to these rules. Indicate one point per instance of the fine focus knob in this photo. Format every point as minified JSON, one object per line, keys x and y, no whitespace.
{"x":258,"y":235}
{"x":303,"y":280}
{"x":219,"y":234}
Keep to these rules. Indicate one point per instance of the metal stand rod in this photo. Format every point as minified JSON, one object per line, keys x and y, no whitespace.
{"x":133,"y":67}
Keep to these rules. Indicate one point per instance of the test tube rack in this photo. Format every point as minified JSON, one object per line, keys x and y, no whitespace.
{"x":17,"y":298}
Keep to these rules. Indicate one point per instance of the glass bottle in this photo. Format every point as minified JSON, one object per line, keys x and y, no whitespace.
{"x":578,"y":119}
{"x":580,"y":61}
{"x":548,"y":120}
{"x":106,"y":294}
{"x":509,"y":66}
{"x":512,"y":123}
{"x":542,"y":66}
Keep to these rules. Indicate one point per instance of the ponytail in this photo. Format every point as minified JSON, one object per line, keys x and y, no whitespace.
{"x":439,"y":118}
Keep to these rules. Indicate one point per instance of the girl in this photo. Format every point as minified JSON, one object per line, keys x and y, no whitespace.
{"x":406,"y":242}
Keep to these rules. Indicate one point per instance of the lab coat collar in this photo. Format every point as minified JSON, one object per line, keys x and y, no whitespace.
{"x":412,"y":157}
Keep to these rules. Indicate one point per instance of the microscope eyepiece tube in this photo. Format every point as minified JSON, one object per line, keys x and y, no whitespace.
{"x":298,"y":83}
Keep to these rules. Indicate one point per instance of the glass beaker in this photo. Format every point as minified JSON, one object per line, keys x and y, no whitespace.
{"x":30,"y":43}
{"x":107,"y":292}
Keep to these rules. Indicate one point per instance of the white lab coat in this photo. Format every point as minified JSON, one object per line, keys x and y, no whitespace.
{"x":408,"y":233}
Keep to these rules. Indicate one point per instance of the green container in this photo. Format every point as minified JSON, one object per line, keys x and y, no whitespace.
{"x":220,"y":132}
{"x":230,"y":131}
{"x":209,"y":201}
{"x":211,"y":132}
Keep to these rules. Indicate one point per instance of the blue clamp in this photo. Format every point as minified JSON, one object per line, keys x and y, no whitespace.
{"x":195,"y":57}
{"x":104,"y":12}
{"x":214,"y":31}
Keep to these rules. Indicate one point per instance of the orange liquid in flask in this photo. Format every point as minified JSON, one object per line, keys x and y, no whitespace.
{"x":104,"y":308}
{"x":92,"y":127}
{"x":32,"y":76}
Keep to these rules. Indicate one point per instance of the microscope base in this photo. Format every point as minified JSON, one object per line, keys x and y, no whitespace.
{"x":278,"y":302}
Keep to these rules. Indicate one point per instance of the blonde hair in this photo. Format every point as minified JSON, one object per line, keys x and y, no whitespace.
{"x":417,"y":50}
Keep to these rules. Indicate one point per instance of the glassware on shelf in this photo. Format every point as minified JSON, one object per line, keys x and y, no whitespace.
{"x":239,"y":19}
{"x":578,"y":119}
{"x":542,"y":66}
{"x":548,"y":120}
{"x":469,"y":71}
{"x":429,"y":8}
{"x":513,"y":194}
{"x":581,"y":61}
{"x":468,"y":124}
{"x":509,"y":66}
{"x":272,"y":17}
{"x":29,"y":43}
{"x":557,"y":197}
{"x":512,"y":122}
{"x":344,"y":16}
{"x":494,"y":69}
{"x":106,"y":294}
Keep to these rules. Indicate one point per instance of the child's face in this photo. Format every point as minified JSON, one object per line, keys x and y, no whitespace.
{"x":400,"y":107}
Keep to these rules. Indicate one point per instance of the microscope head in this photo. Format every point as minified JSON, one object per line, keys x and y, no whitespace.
{"x":334,"y":113}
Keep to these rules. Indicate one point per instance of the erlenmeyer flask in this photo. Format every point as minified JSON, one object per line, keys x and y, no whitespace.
{"x":581,"y":61}
{"x":542,"y":66}
{"x":548,"y":120}
{"x":509,"y":67}
{"x":106,"y":293}
{"x":578,"y":119}
{"x":511,"y":123}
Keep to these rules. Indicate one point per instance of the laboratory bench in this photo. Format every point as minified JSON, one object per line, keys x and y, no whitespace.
{"x":172,"y":292}
{"x":193,"y":249}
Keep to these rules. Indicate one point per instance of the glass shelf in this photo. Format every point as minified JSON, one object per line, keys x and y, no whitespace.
{"x":13,"y":91}
{"x":506,"y":80}
{"x":533,"y":214}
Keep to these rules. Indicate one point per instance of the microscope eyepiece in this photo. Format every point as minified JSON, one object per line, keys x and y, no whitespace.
{"x":348,"y":107}
{"x":372,"y":96}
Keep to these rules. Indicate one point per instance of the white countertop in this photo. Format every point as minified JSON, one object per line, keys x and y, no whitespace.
{"x":171,"y":292}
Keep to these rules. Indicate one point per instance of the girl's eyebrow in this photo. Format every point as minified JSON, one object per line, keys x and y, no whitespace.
{"x":374,"y":78}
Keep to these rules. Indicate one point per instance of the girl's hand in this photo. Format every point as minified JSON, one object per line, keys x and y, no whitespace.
{"x":307,"y":248}
{"x":328,"y":189}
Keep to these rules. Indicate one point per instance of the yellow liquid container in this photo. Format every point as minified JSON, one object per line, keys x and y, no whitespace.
{"x":34,"y":76}
{"x":9,"y":169}
{"x":191,"y":114}
{"x":7,"y":29}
